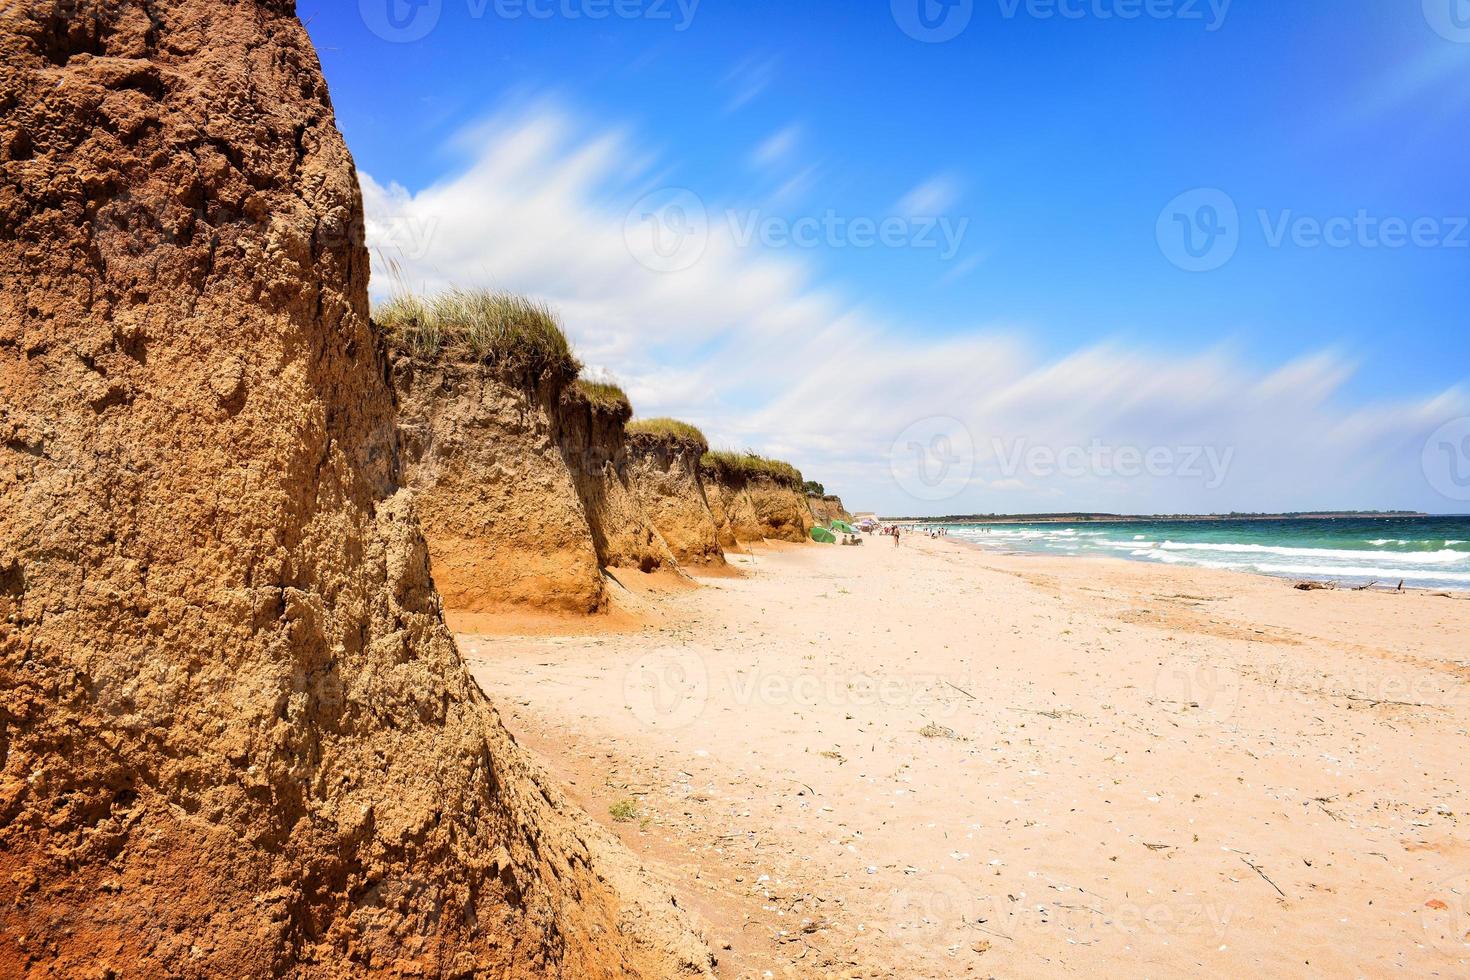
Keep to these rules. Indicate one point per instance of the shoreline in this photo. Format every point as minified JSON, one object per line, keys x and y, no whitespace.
{"x":932,"y":761}
{"x":1161,"y":519}
{"x":1267,"y":576}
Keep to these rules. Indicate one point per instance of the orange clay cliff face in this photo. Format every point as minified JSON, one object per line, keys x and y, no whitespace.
{"x":664,"y":475}
{"x":748,"y":509}
{"x":595,"y":445}
{"x":505,"y":523}
{"x":734,"y":516}
{"x":827,"y":509}
{"x":235,"y":736}
{"x":781,"y":511}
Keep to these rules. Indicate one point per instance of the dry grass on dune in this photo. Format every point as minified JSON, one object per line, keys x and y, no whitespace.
{"x":669,"y":430}
{"x":489,"y":326}
{"x":748,"y":466}
{"x":605,"y":397}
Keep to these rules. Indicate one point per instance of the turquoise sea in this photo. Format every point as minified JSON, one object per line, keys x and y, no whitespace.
{"x":1422,"y":552}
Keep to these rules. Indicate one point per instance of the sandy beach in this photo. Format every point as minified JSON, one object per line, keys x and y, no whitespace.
{"x":933,"y":761}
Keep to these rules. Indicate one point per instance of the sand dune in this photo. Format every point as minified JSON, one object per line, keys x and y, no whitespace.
{"x":932,"y":761}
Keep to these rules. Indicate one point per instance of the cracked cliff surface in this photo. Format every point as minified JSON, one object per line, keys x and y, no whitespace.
{"x":664,"y":475}
{"x":506,"y":525}
{"x":236,"y":738}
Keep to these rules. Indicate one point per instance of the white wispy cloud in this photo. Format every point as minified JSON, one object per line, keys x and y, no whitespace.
{"x":777,"y":148}
{"x":935,"y":196}
{"x":748,"y":80}
{"x":744,"y":343}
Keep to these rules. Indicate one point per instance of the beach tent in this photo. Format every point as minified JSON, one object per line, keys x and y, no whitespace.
{"x":843,"y":527}
{"x":823,"y":536}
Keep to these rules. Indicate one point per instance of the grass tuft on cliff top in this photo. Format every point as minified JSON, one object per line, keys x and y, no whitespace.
{"x":669,"y":430}
{"x":750,"y":466}
{"x":605,"y":397}
{"x":485,"y":325}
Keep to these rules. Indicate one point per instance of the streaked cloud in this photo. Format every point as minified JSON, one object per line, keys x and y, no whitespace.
{"x":777,"y":148}
{"x":746,"y":344}
{"x":748,"y":80}
{"x":935,"y":196}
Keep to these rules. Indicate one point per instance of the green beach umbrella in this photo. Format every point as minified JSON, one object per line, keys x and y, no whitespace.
{"x":823,"y":536}
{"x":843,"y":527}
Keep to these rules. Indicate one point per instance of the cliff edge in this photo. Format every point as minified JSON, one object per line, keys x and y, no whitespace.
{"x":236,"y":738}
{"x":505,"y":522}
{"x":595,"y":443}
{"x":754,"y":498}
{"x":663,"y":472}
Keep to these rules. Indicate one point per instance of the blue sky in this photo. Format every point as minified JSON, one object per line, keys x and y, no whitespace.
{"x":1032,"y":290}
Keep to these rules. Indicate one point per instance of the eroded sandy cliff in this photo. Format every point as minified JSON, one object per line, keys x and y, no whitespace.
{"x":505,"y":523}
{"x":781,"y":511}
{"x":594,"y":443}
{"x":664,"y":475}
{"x":235,"y":736}
{"x":826,"y":509}
{"x":733,"y":513}
{"x":755,"y":507}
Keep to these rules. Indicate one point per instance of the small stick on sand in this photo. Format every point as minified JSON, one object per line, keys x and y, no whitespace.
{"x":1264,"y":877}
{"x":1322,"y":802}
{"x":1375,"y":702}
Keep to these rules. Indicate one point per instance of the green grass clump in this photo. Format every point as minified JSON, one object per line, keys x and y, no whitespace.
{"x":669,"y":430}
{"x":750,"y":466}
{"x":485,"y":325}
{"x":623,"y":810}
{"x":605,"y":397}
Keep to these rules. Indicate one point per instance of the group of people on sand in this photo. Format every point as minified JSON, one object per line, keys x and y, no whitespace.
{"x":895,"y":531}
